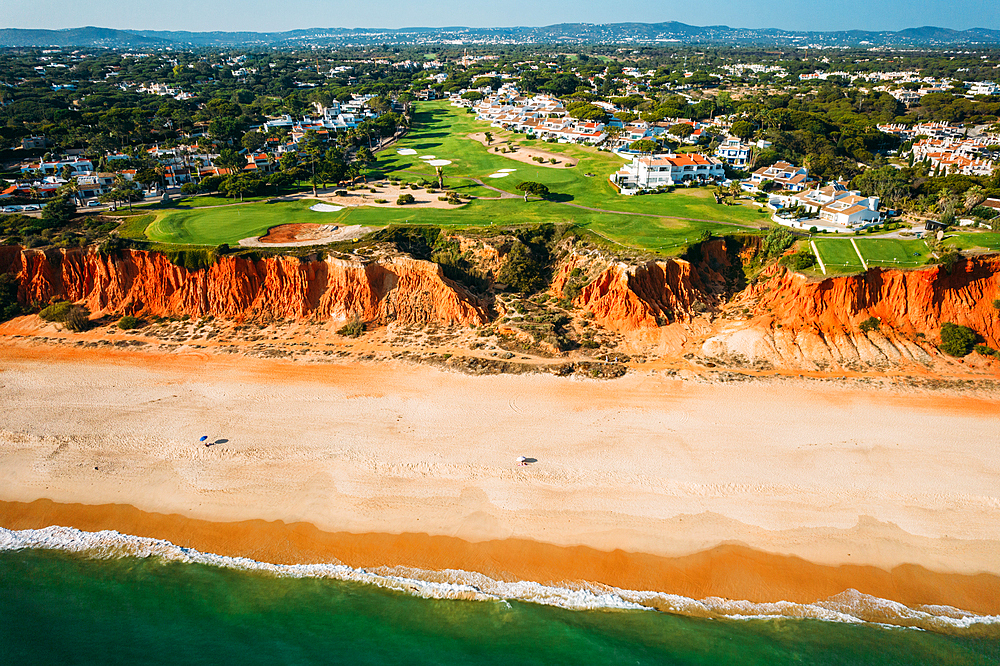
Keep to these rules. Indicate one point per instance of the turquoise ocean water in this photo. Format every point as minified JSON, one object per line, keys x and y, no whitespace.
{"x":69,"y":608}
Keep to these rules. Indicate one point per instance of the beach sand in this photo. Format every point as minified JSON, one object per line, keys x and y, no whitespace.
{"x":762,"y":490}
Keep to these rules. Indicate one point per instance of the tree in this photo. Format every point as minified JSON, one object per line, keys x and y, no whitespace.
{"x":682,"y":130}
{"x":974,"y":196}
{"x":253,"y":141}
{"x":531,"y":187}
{"x":489,"y":138}
{"x":230,"y":159}
{"x":957,"y":340}
{"x":645,"y":146}
{"x":887,"y":183}
{"x":58,"y":211}
{"x":742,"y":129}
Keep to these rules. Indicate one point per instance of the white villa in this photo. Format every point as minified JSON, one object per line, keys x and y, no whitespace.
{"x":786,"y":176}
{"x":737,"y":154}
{"x":652,"y":171}
{"x":834,"y":208}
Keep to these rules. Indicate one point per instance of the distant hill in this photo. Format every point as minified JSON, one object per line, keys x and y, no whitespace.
{"x":570,"y":33}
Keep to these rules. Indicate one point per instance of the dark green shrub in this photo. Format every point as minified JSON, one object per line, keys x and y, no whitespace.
{"x":353,"y":328}
{"x":405,"y":199}
{"x":870,"y":324}
{"x":9,"y":307}
{"x":57,"y":311}
{"x":129,"y":322}
{"x":802,"y":260}
{"x":957,"y":340}
{"x":996,"y":304}
{"x":985,"y":350}
{"x":522,"y":271}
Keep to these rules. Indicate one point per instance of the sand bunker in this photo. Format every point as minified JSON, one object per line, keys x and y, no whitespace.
{"x":439,"y":163}
{"x":498,"y":175}
{"x":296,"y":235}
{"x":325,"y":208}
{"x":506,"y":170}
{"x":406,"y":151}
{"x":427,"y":157}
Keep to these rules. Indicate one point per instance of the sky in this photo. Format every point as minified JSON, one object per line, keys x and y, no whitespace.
{"x":271,"y":16}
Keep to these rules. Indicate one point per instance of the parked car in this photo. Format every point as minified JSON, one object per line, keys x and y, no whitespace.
{"x":9,"y":209}
{"x":30,"y":207}
{"x":93,"y":204}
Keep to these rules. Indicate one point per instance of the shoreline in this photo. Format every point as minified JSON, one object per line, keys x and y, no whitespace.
{"x":729,"y":572}
{"x":758,"y":492}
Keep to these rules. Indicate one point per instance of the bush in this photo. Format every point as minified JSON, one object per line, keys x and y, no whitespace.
{"x":340,"y":193}
{"x":985,"y":350}
{"x":870,"y":324}
{"x":78,"y":319}
{"x":128,"y":322}
{"x":553,"y":160}
{"x":9,"y":307}
{"x":405,"y":199}
{"x":802,"y":260}
{"x":353,"y":328}
{"x":996,"y":304}
{"x":957,"y":340}
{"x":381,"y":201}
{"x":57,"y":311}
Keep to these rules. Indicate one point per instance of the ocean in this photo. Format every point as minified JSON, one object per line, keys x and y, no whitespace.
{"x":142,"y":604}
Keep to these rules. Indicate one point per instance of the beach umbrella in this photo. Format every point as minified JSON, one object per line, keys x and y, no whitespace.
{"x":521,"y":460}
{"x":203,"y":438}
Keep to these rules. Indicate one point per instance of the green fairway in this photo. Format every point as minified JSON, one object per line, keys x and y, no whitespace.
{"x":975,"y":240}
{"x":838,"y":256}
{"x":664,"y":223}
{"x":889,"y":252}
{"x":229,"y":224}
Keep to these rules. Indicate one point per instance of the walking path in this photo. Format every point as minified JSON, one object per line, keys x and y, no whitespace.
{"x":822,"y":266}
{"x":864,"y":264}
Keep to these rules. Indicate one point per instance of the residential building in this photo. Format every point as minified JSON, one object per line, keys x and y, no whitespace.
{"x":663,"y":170}
{"x":784,"y":175}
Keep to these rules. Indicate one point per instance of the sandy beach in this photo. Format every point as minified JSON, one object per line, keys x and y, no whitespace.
{"x":759,"y":490}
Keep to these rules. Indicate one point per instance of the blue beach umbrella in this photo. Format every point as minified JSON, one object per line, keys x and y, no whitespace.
{"x":203,"y":438}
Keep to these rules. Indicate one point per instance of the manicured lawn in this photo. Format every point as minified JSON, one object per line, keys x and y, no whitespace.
{"x":839,"y":256}
{"x":987,"y":240}
{"x":442,"y":131}
{"x":212,"y":226}
{"x":889,"y":252}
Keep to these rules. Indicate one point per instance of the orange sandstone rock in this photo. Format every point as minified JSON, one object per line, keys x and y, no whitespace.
{"x":139,"y":282}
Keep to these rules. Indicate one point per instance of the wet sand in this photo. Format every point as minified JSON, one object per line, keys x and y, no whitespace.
{"x":761,"y":491}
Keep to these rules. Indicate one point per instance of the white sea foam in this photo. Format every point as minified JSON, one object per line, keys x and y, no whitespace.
{"x":850,"y":606}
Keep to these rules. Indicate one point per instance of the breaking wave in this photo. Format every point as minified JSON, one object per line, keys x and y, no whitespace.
{"x":850,"y":606}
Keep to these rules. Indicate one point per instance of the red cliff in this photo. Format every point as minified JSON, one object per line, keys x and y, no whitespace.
{"x":139,"y":282}
{"x":796,"y":322}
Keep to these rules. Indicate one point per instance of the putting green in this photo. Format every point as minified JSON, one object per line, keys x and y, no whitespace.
{"x":581,"y":195}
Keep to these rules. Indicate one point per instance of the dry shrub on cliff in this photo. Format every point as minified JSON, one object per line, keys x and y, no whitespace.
{"x":78,"y":319}
{"x":353,"y":328}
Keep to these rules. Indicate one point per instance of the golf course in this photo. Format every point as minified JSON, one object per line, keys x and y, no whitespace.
{"x":440,"y":138}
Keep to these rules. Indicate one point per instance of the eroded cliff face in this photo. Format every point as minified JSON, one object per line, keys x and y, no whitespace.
{"x":138,"y":282}
{"x":793,"y":322}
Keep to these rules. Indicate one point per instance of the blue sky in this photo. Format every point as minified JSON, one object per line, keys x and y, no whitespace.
{"x":269,"y":15}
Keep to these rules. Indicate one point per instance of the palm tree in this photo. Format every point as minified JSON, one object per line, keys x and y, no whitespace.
{"x":974,"y":196}
{"x":440,"y":174}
